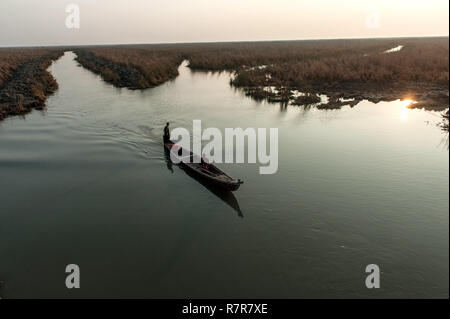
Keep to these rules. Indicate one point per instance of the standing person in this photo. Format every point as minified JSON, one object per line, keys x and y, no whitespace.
{"x":166,"y":133}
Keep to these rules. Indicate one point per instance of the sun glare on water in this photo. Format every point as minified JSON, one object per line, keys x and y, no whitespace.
{"x":405,"y":108}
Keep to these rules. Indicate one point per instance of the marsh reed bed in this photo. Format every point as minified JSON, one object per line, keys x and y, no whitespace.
{"x":24,"y":80}
{"x":134,"y":67}
{"x":290,"y":72}
{"x":350,"y":70}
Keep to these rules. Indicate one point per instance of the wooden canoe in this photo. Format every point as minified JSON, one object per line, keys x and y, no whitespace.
{"x":204,"y":170}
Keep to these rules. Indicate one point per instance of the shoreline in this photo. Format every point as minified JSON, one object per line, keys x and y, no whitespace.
{"x":422,"y":95}
{"x":28,"y":87}
{"x":346,"y":71}
{"x":294,"y":73}
{"x":127,"y":74}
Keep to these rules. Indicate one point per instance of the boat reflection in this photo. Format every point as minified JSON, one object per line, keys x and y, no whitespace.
{"x":168,"y":161}
{"x":226,"y":196}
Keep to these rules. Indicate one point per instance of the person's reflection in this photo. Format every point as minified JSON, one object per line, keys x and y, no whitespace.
{"x":168,"y":161}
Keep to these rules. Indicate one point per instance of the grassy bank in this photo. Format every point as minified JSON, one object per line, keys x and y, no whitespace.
{"x":294,"y":72}
{"x":357,"y":70}
{"x":24,"y":81}
{"x":350,"y":70}
{"x":131,"y":67}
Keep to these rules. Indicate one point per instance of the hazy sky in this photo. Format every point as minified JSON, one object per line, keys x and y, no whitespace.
{"x":43,"y":22}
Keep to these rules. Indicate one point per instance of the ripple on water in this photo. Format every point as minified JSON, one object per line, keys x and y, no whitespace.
{"x":87,"y":180}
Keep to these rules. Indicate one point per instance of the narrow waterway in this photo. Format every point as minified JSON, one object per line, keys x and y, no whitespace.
{"x":87,"y":182}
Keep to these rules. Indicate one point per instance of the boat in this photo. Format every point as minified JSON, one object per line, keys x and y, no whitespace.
{"x":203,"y":169}
{"x":226,"y":196}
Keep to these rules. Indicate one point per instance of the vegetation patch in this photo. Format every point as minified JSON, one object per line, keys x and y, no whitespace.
{"x":307,"y":99}
{"x":359,"y":69}
{"x":445,"y":121}
{"x":24,"y":80}
{"x":131,"y":67}
{"x":347,"y":71}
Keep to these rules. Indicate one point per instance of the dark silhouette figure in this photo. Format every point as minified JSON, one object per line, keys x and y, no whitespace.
{"x":166,"y":136}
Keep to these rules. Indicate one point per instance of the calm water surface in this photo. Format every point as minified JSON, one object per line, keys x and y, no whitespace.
{"x":87,"y":182}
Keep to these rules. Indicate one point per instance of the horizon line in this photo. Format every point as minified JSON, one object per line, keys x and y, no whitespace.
{"x":216,"y":42}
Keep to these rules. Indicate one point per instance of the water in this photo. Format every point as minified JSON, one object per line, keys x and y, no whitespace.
{"x":87,"y":182}
{"x":396,"y":49}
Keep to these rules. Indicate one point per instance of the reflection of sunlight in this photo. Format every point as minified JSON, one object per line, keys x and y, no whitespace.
{"x":404,"y":113}
{"x":405,"y":108}
{"x":406,"y":103}
{"x":396,"y":49}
